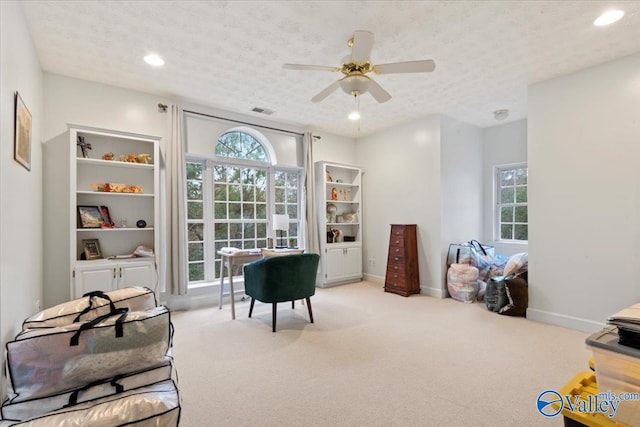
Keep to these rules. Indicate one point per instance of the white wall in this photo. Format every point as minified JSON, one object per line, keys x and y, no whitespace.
{"x":584,"y":192}
{"x":503,"y":145}
{"x":461,"y":183}
{"x":401,"y":185}
{"x":20,"y":190}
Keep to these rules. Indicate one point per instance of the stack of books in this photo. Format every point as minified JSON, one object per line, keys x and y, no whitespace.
{"x":628,"y":323}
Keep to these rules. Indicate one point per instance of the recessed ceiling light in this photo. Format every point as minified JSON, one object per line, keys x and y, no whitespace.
{"x":354,"y":116}
{"x":609,"y":17}
{"x":154,"y":60}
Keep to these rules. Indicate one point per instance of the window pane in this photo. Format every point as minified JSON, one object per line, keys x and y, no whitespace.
{"x":234,"y":193}
{"x":221,"y":230}
{"x":506,"y":195}
{"x":234,"y":210}
{"x":220,"y":192}
{"x":506,"y":177}
{"x":247,"y":210}
{"x":196,"y":232}
{"x":220,"y":174}
{"x":521,"y":214}
{"x":235,"y":230}
{"x":261,"y":211}
{"x":521,"y":176}
{"x":506,"y":231}
{"x":292,"y":211}
{"x":292,"y":179}
{"x":279,"y":178}
{"x":233,"y":175}
{"x":220,"y":211}
{"x":292,"y":195}
{"x":261,"y":178}
{"x":249,"y":231}
{"x":248,"y":192}
{"x":247,"y":176}
{"x":520,"y":231}
{"x":240,"y":145}
{"x":293,"y":229}
{"x":194,"y":190}
{"x":196,"y":251}
{"x":194,"y":210}
{"x":196,"y":271}
{"x":261,"y":195}
{"x":506,"y":214}
{"x":261,"y":230}
{"x":280,"y":209}
{"x":279,"y":195}
{"x":194,"y":171}
{"x":521,"y":194}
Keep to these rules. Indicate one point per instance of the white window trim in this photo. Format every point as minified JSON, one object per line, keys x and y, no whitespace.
{"x":496,"y":202}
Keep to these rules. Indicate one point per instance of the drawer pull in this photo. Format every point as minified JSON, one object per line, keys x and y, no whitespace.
{"x":397,"y":241}
{"x":395,"y":267}
{"x":395,"y":276}
{"x":397,"y":250}
{"x":396,"y":259}
{"x":397,"y":233}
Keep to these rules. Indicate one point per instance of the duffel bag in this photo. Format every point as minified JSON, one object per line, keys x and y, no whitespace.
{"x":46,"y":361}
{"x":495,"y":296}
{"x":28,"y":409}
{"x":92,"y":305}
{"x":149,"y":406}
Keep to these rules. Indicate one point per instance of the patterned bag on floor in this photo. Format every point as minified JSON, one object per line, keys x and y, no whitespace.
{"x":46,"y":361}
{"x":92,"y":305}
{"x":149,"y":406}
{"x":28,"y":409}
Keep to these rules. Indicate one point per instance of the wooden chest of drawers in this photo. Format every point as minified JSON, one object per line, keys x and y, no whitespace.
{"x":402,"y":276}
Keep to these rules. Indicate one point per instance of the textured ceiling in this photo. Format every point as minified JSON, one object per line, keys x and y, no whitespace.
{"x":229,"y":54}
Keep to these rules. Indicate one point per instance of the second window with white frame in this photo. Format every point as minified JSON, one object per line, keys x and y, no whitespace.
{"x":512,"y":216}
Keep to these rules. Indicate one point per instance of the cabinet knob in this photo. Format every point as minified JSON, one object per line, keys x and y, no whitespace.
{"x":114,"y":272}
{"x":397,"y":250}
{"x":395,"y":276}
{"x":396,"y":259}
{"x":397,"y":233}
{"x":397,"y":241}
{"x":395,"y":267}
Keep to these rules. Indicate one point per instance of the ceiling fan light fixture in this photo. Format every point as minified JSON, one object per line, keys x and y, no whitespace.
{"x":609,"y":17}
{"x":354,"y":115}
{"x":501,"y":114}
{"x":355,"y":85}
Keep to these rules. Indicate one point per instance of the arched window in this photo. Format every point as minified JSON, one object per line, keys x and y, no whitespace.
{"x":231,"y":200}
{"x":245,"y":144}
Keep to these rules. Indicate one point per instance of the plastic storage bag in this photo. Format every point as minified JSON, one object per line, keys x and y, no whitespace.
{"x":462,"y":282}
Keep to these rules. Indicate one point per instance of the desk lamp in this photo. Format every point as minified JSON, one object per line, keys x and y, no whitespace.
{"x":280,"y":223}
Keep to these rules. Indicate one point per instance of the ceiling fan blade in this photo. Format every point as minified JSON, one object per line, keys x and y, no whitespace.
{"x":309,"y":67}
{"x":326,"y":92}
{"x":377,"y":92}
{"x":362,"y":45}
{"x":425,"y":66}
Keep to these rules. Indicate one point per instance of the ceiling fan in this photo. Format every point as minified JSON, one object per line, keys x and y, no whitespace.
{"x":357,"y":65}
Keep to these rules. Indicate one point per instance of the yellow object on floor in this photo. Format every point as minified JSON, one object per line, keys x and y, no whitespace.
{"x":584,"y":385}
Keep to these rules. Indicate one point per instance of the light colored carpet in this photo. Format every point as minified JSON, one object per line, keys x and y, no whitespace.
{"x":371,"y":359}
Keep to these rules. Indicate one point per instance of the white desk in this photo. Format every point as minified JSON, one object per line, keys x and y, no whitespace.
{"x":228,"y":261}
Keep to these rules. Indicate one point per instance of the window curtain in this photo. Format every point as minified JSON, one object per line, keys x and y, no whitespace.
{"x":310,"y":220}
{"x":176,"y":212}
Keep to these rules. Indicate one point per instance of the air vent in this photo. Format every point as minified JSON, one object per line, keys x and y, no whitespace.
{"x":262,"y":111}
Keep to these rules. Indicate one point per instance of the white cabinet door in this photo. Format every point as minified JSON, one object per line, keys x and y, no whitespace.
{"x":89,"y":278}
{"x":334,"y":264}
{"x":136,"y":273}
{"x":353,"y":263}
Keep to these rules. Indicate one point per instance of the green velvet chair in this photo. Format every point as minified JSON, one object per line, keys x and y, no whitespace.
{"x":281,"y":278}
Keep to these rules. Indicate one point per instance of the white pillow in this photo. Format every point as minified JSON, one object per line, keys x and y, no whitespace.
{"x":518,"y":263}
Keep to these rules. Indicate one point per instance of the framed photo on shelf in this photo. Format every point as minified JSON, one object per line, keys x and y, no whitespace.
{"x":22,"y":143}
{"x":105,"y":216}
{"x":89,"y":217}
{"x":91,"y":248}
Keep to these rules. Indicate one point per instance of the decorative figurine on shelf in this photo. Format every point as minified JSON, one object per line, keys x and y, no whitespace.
{"x":331,"y":212}
{"x":84,"y":146}
{"x":108,"y":156}
{"x":329,"y":177}
{"x":334,"y":194}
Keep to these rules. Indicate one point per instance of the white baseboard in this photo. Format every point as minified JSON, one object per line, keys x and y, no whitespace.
{"x":433,"y":292}
{"x":374,"y":279}
{"x":565,"y":321}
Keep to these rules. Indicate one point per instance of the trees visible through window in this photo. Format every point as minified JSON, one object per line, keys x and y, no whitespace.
{"x":512,"y":203}
{"x":231,"y":199}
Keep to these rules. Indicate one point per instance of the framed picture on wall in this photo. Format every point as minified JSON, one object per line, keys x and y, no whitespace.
{"x":92,"y":248}
{"x":22,"y":141}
